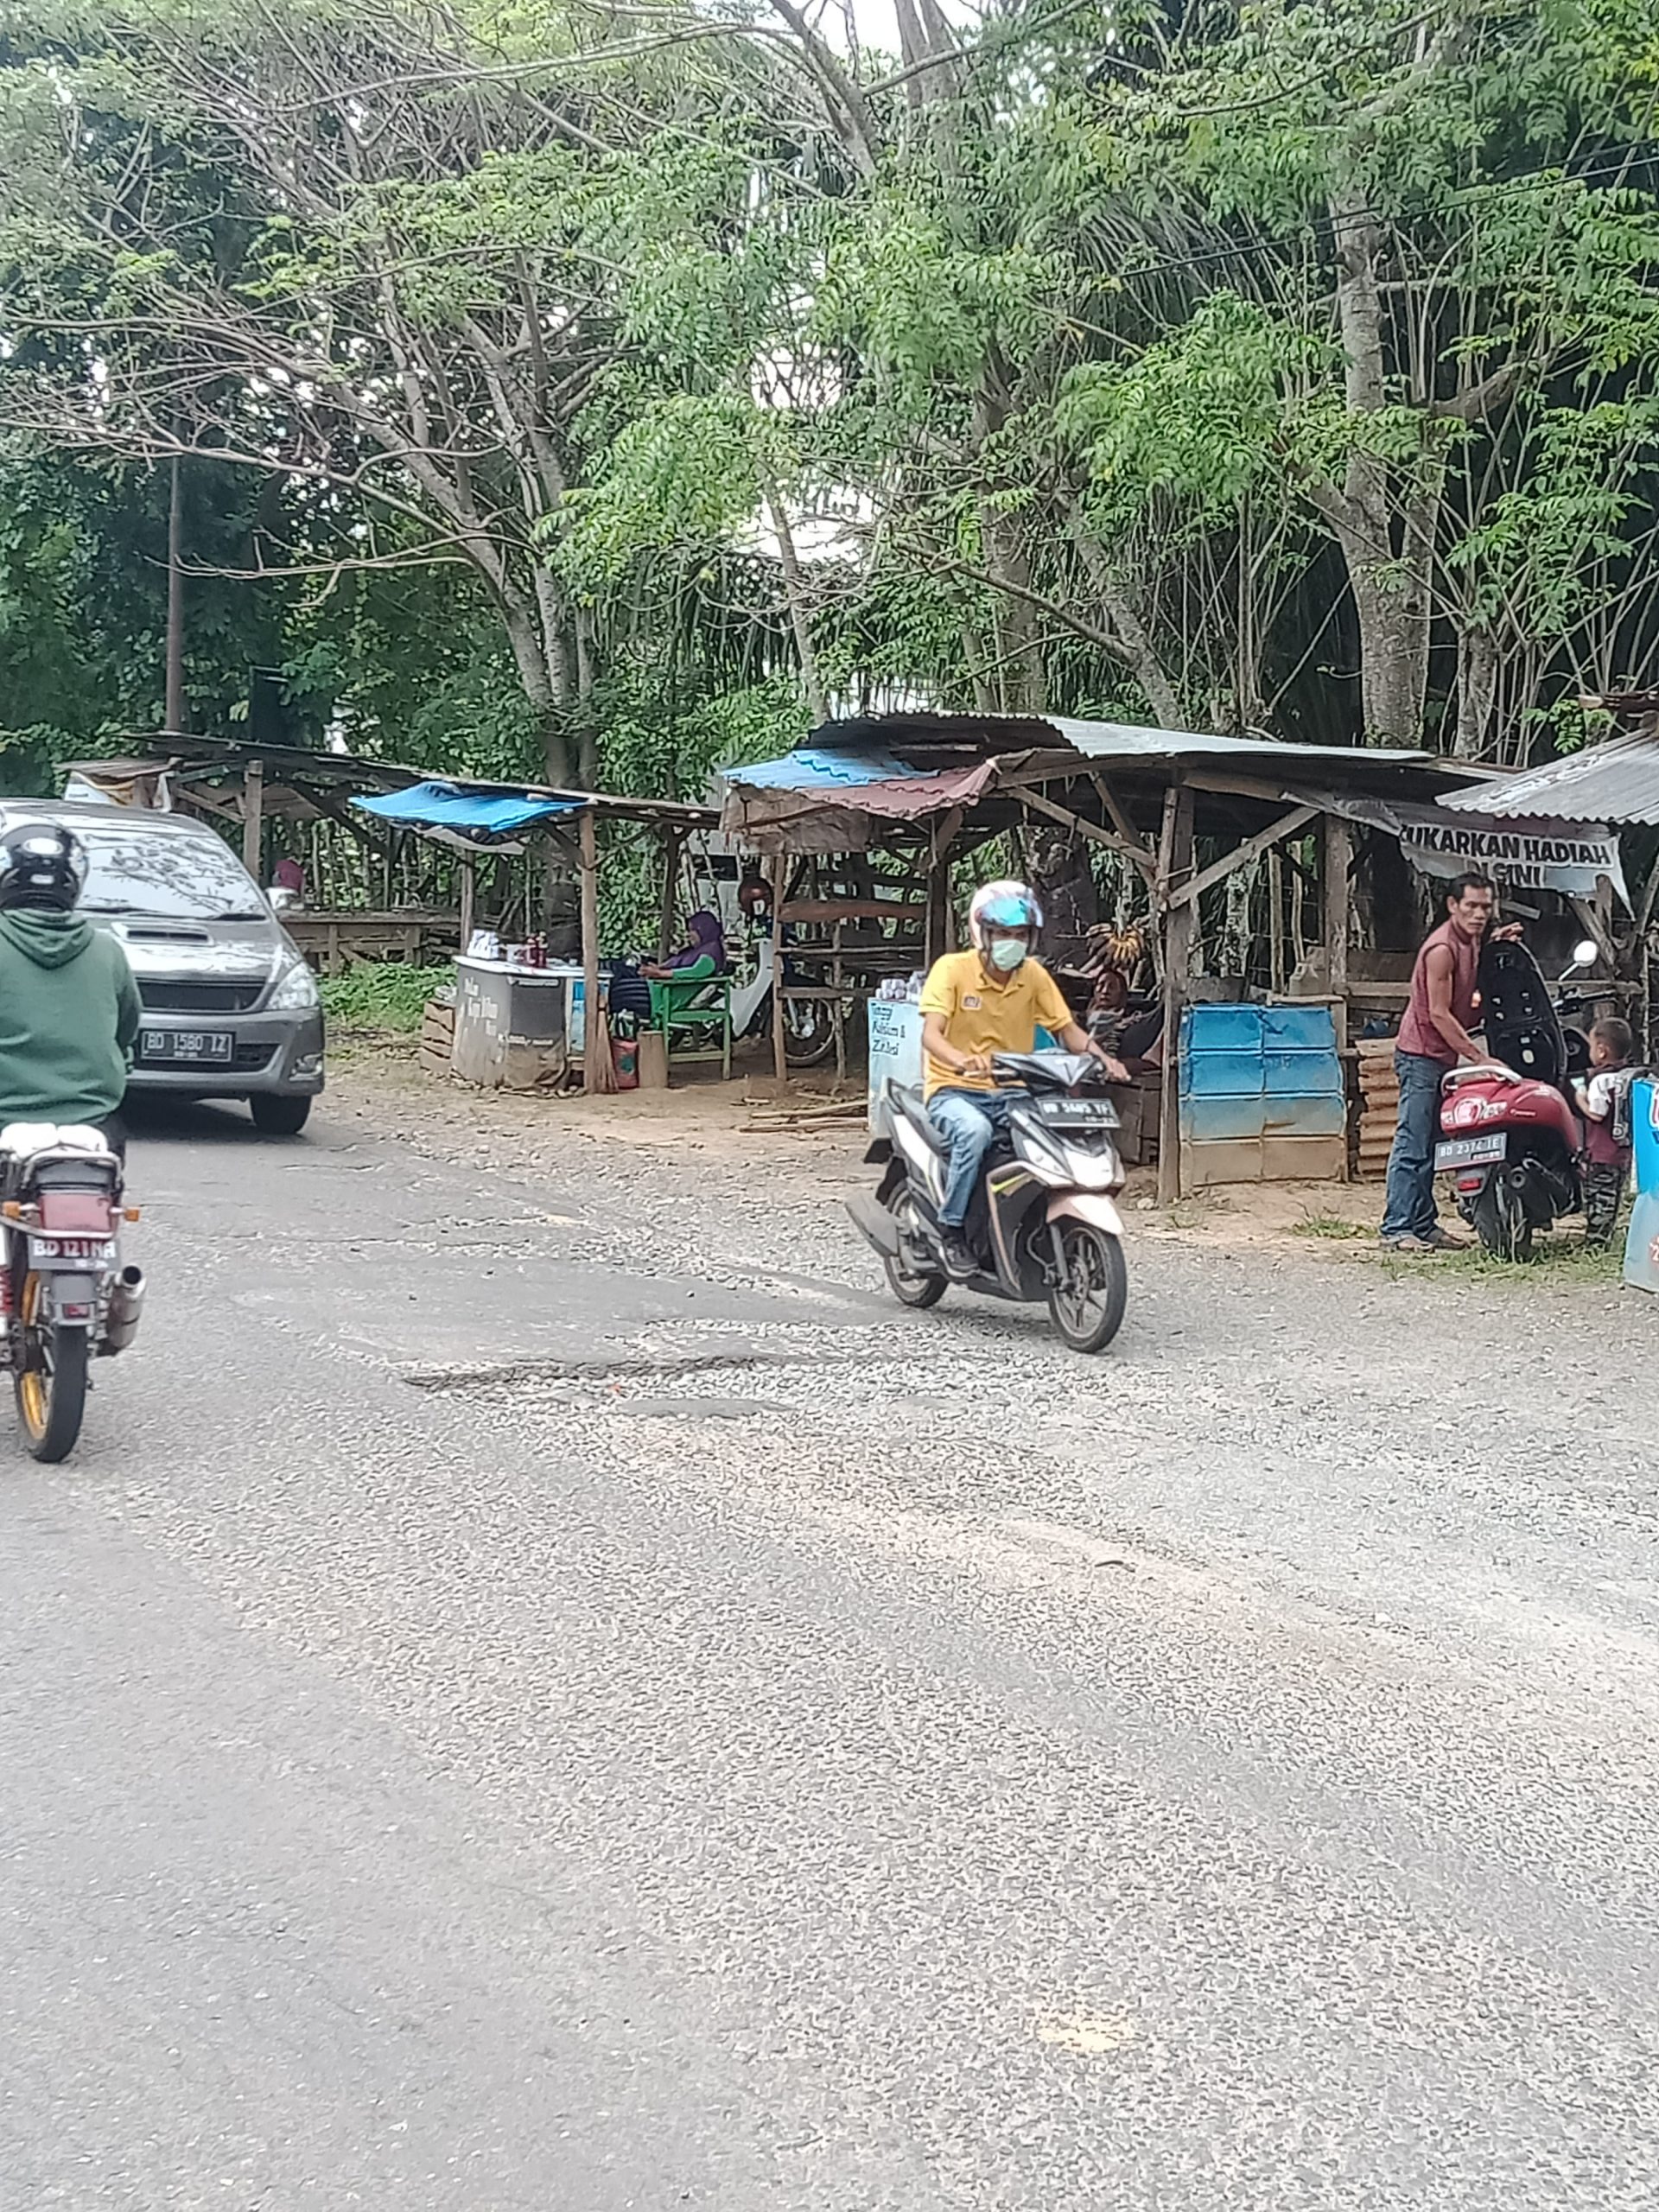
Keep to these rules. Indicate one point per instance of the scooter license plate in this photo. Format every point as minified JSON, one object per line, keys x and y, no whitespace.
{"x":1470,"y":1152}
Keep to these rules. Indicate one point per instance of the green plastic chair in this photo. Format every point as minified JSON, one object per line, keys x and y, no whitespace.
{"x":697,"y":1003}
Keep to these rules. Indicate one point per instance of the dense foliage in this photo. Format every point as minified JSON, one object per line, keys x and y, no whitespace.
{"x":603,"y":391}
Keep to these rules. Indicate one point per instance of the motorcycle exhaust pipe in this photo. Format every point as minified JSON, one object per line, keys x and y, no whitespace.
{"x":126,"y":1309}
{"x":876,"y":1225}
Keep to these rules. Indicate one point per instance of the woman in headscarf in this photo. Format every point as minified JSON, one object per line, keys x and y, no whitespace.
{"x":705,"y":955}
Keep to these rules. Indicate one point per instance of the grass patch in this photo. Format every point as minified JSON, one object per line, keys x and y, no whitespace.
{"x":1330,"y":1226}
{"x":1561,"y":1263}
{"x":383,"y":995}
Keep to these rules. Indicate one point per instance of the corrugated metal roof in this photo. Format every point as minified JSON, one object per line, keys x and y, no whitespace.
{"x":1128,"y":741}
{"x":868,"y":751}
{"x":1616,"y":781}
{"x":818,"y":767}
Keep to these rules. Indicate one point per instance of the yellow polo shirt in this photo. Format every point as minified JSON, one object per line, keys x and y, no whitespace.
{"x":985,"y":1016}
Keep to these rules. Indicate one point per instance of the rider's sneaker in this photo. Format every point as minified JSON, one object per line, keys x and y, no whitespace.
{"x":955,"y":1251}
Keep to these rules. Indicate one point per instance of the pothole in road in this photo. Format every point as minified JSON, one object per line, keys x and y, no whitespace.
{"x":618,"y":1370}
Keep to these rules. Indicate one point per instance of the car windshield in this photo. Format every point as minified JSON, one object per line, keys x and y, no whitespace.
{"x":165,"y":874}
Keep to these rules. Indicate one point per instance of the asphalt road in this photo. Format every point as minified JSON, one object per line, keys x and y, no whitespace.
{"x":541,"y":1689}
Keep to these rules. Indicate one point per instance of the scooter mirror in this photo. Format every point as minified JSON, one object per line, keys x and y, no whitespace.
{"x":1584,"y":953}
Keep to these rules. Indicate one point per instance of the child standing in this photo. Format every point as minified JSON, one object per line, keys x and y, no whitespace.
{"x":1607,"y":1162}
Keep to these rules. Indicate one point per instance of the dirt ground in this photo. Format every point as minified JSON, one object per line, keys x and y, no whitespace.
{"x":726,"y":1124}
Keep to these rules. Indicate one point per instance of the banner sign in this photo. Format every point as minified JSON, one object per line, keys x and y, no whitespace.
{"x":1565,"y":856}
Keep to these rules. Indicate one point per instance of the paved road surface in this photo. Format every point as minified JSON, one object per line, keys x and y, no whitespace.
{"x":539,"y":1690}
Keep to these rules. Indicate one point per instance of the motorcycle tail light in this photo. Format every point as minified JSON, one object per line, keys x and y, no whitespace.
{"x":75,"y":1213}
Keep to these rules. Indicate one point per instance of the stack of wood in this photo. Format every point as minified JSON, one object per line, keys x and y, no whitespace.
{"x":1379,"y":1107}
{"x":438,"y":1035}
{"x":802,"y":1119}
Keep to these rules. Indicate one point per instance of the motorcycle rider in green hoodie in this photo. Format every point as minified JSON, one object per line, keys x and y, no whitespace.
{"x":69,"y":1008}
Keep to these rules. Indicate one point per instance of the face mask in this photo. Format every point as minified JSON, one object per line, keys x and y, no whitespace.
{"x":1006,"y":953}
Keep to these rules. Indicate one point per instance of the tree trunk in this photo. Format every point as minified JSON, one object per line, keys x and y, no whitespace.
{"x":1390,"y":581}
{"x":1019,"y":675}
{"x":1064,"y":881}
{"x":540,"y":690}
{"x":800,"y":617}
{"x":1138,"y":649}
{"x":1477,"y":690}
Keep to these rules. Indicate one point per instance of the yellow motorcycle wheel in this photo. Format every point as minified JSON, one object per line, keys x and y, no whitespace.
{"x":50,"y":1387}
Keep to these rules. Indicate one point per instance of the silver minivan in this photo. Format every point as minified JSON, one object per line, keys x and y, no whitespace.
{"x":229,"y":1008}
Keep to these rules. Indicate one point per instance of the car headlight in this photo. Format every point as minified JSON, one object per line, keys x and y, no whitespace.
{"x":296,"y":991}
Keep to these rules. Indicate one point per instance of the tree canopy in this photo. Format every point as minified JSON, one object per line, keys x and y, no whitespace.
{"x":599,"y":390}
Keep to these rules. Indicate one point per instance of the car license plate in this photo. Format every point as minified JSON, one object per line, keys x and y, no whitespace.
{"x":185,"y":1044}
{"x":1470,"y":1152}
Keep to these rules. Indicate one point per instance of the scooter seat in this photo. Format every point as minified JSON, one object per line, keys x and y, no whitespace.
{"x":906,"y":1100}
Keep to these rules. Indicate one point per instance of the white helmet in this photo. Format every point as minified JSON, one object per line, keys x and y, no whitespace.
{"x":1005,"y":906}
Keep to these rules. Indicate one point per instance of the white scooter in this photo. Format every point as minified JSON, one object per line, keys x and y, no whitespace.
{"x":1043,"y":1225}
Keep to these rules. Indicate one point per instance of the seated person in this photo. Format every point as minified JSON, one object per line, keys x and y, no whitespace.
{"x":703,"y":956}
{"x":992,"y":999}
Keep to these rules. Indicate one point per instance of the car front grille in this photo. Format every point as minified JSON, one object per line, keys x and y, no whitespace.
{"x":157,"y":996}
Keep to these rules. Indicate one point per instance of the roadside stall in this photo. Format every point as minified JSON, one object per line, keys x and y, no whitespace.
{"x":353,"y":894}
{"x":1246,"y":875}
{"x":524,"y":1018}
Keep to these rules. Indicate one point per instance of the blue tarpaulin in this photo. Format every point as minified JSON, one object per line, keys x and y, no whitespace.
{"x":482,"y":818}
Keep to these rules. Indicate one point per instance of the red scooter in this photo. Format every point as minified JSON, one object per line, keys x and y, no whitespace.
{"x":1511,"y":1137}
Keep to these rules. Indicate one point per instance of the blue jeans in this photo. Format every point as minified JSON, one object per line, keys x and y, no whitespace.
{"x":968,"y":1122}
{"x":1408,"y":1210}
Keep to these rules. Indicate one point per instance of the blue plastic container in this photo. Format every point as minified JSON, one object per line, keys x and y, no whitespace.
{"x":1262,"y":1095}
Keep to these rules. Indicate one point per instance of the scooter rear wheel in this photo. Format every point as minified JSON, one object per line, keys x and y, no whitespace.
{"x":1501,"y":1221}
{"x":1088,"y":1303}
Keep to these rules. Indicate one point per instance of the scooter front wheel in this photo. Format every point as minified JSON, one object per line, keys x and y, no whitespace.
{"x":913,"y":1286}
{"x":1501,"y":1221}
{"x":1090,"y":1294}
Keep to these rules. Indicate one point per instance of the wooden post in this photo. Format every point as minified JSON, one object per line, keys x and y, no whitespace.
{"x":253,"y":817}
{"x":590,"y":1023}
{"x":1175,"y":855}
{"x":1275,"y":922}
{"x":837,"y":1009}
{"x":1338,"y":855}
{"x":780,"y":1044}
{"x":673,"y":841}
{"x":938,"y":921}
{"x":468,"y":899}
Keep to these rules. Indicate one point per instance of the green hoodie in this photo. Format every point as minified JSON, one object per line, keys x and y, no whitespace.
{"x":69,"y":1014}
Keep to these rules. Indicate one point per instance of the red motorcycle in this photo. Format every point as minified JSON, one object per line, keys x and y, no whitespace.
{"x":1511,"y":1136}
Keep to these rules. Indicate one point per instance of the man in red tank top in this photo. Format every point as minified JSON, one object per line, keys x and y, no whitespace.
{"x":1433,"y":1037}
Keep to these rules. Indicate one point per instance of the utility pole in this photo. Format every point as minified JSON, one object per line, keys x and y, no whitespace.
{"x":174,"y":710}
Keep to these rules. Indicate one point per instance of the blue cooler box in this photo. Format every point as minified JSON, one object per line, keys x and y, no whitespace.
{"x":1642,"y":1245}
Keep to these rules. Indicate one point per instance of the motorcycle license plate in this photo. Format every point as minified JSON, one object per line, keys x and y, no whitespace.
{"x":1470,"y":1152}
{"x":209,"y":1044}
{"x":71,"y":1251}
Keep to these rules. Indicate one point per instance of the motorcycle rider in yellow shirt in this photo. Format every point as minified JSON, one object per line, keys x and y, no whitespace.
{"x":991,"y":999}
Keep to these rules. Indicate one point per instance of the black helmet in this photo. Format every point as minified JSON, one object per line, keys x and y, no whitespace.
{"x":42,"y":864}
